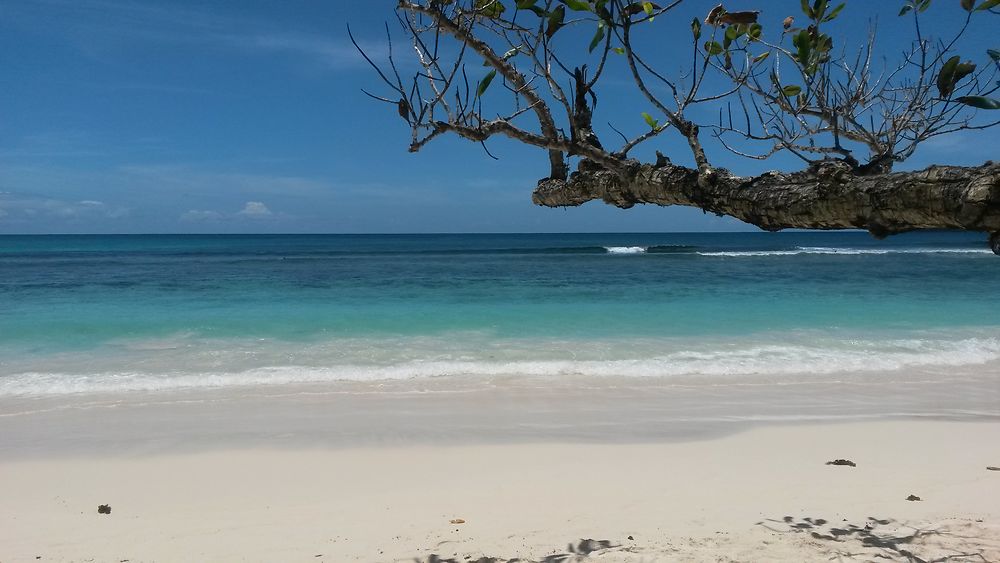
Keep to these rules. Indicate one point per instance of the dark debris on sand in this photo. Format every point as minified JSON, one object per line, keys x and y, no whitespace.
{"x":574,"y":552}
{"x":846,"y":462}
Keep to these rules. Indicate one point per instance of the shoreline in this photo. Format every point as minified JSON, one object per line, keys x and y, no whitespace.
{"x":457,"y":411}
{"x":762,"y":494}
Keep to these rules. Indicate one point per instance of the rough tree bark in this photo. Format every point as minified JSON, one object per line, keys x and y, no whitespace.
{"x":827,"y":196}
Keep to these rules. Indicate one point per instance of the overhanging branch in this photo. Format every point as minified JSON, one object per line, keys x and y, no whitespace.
{"x":827,"y":196}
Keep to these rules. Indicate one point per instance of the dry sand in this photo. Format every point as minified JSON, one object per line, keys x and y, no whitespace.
{"x":764,"y":494}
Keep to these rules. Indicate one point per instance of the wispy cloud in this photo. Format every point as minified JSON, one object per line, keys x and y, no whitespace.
{"x":61,"y":144}
{"x":24,"y":208}
{"x":331,"y":53}
{"x":253,"y":210}
{"x":100,"y":26}
{"x":200,"y":215}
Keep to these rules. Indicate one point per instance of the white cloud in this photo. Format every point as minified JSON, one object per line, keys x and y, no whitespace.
{"x":255,"y":209}
{"x":334,"y":54}
{"x":26,"y":206}
{"x":102,"y":26}
{"x":251,"y":210}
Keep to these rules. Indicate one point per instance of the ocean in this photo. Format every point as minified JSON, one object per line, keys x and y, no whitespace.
{"x":110,"y":314}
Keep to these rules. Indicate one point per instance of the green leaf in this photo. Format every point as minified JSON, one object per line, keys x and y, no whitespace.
{"x":822,"y":43}
{"x":792,"y":90}
{"x":803,"y":43}
{"x":577,"y":5}
{"x":987,"y":5}
{"x":905,"y":9}
{"x":485,"y":83}
{"x":555,"y":21}
{"x":530,"y":5}
{"x":945,"y":79}
{"x":819,"y":8}
{"x":994,"y":54}
{"x":922,"y":5}
{"x":490,"y":8}
{"x":754,"y":31}
{"x":696,"y":28}
{"x":834,"y":12}
{"x":618,"y":50}
{"x":632,"y":9}
{"x":713,"y":48}
{"x":640,"y":7}
{"x":979,"y":102}
{"x":734,"y":32}
{"x":807,"y":9}
{"x":598,"y":36}
{"x":963,"y":70}
{"x":602,"y":11}
{"x":653,"y":124}
{"x":762,"y":56}
{"x":967,"y":5}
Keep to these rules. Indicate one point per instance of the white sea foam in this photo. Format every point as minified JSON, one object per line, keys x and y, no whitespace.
{"x":626,"y":249}
{"x":733,"y":359}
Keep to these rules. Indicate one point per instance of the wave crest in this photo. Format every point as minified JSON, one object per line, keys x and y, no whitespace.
{"x":722,"y":360}
{"x":626,"y":249}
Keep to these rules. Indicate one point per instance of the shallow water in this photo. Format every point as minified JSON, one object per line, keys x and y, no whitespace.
{"x":118,"y":313}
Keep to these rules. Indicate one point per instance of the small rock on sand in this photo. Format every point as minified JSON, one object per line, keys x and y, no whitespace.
{"x":846,"y":462}
{"x":913,"y":498}
{"x":457,"y":521}
{"x":104,"y":509}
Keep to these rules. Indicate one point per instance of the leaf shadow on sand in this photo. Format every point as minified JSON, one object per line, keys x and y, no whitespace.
{"x":884,"y":539}
{"x":574,"y":552}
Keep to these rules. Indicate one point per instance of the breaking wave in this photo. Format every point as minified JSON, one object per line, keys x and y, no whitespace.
{"x":723,"y":359}
{"x":626,"y":249}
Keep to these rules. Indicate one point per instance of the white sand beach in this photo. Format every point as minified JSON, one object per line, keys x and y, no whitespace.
{"x":737,"y":492}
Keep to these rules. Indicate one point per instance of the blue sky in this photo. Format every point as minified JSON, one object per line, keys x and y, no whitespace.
{"x":158,"y":117}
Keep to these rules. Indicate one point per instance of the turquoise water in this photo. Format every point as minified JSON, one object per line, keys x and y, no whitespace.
{"x":106,"y":313}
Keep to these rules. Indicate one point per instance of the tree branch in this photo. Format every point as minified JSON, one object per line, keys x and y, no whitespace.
{"x":827,"y":196}
{"x":515,"y":78}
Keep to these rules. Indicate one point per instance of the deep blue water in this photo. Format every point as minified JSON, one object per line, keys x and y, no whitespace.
{"x":107,"y":311}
